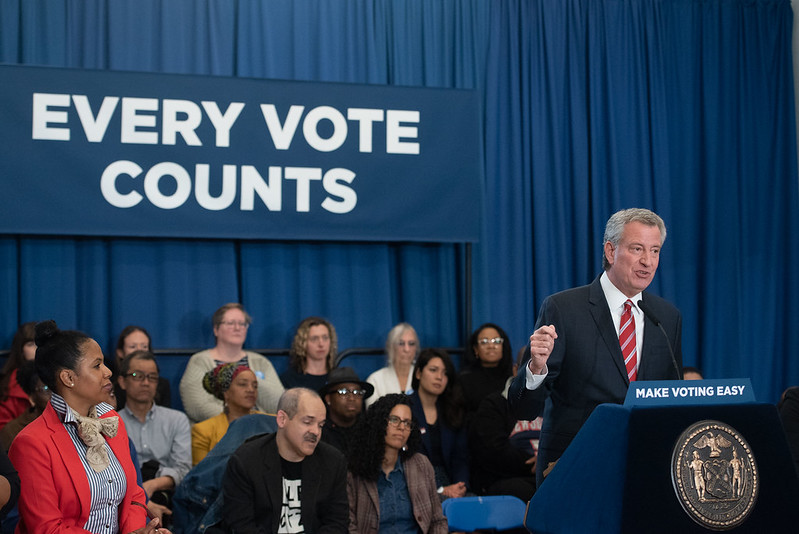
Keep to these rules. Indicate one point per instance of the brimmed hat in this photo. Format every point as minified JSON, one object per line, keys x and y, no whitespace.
{"x":344,"y":375}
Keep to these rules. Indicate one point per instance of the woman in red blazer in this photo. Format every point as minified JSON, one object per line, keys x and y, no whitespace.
{"x":74,"y":460}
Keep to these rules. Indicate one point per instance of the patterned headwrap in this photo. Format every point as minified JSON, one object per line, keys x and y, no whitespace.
{"x":218,"y":380}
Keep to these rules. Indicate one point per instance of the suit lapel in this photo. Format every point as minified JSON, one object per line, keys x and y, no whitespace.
{"x":73,"y":466}
{"x":607,"y":330}
{"x":274,"y":481}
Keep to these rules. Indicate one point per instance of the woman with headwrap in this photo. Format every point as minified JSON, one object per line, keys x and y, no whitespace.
{"x":237,"y":387}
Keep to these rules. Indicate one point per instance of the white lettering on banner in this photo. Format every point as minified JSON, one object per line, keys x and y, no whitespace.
{"x":140,"y":125}
{"x":693,"y":391}
{"x":652,"y":393}
{"x":282,"y":134}
{"x":44,"y":117}
{"x":335,"y":182}
{"x":178,"y":117}
{"x":134,"y":117}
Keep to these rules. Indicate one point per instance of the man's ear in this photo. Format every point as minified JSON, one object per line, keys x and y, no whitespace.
{"x":121,"y":382}
{"x":281,"y":417}
{"x":609,"y":250}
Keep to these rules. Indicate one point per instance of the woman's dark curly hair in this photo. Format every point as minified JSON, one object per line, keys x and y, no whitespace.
{"x":369,"y":435}
{"x":470,"y":359}
{"x":451,"y":404}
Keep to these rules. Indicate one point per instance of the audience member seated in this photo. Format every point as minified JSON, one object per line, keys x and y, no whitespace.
{"x":789,"y":415}
{"x":390,"y":485}
{"x":38,"y":397}
{"x":237,"y":387}
{"x":287,"y":481}
{"x":162,"y":436}
{"x":438,"y":408}
{"x":503,"y":450}
{"x":313,"y":354}
{"x":402,"y":347}
{"x":344,"y":394}
{"x":231,"y":323}
{"x":74,"y":461}
{"x":9,"y":485}
{"x":198,"y":502}
{"x":13,"y":400}
{"x":131,"y":339}
{"x":691,"y":373}
{"x":487,"y":364}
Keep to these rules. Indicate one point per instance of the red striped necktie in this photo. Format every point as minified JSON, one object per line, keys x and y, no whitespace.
{"x":627,"y":340}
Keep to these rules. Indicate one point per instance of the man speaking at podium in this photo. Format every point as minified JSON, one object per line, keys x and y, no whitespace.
{"x":591,"y":341}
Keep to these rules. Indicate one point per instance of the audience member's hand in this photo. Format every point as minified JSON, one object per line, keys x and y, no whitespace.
{"x":531,"y":462}
{"x":149,"y":488}
{"x":541,"y":344}
{"x":152,"y":528}
{"x":158,"y":510}
{"x":455,"y":490}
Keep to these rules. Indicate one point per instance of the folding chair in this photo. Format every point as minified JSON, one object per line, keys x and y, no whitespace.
{"x":494,"y":512}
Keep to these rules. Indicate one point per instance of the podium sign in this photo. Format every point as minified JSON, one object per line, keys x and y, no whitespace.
{"x":689,"y":392}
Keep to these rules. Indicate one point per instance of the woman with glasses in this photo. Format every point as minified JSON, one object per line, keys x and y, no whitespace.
{"x":74,"y":460}
{"x":231,"y":323}
{"x":402,"y":347}
{"x":134,"y":338}
{"x":487,"y":365}
{"x":438,"y":408}
{"x":236,"y":386}
{"x":390,"y":484}
{"x":313,"y":354}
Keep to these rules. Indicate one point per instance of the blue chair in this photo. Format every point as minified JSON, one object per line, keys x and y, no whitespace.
{"x":495,"y":512}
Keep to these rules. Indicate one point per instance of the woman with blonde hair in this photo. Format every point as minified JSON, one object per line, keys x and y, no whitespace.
{"x":313,"y":354}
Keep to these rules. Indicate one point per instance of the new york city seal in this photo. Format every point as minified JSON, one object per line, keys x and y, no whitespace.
{"x":714,"y":475}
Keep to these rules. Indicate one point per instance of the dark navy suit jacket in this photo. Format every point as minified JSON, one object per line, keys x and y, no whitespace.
{"x":586,"y":367}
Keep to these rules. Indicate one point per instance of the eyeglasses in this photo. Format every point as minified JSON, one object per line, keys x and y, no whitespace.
{"x":42,"y":389}
{"x":406,"y":343}
{"x":231,"y":324}
{"x":491,"y":341}
{"x":396,"y":422}
{"x":353,"y":392}
{"x":317,"y":339}
{"x":141,"y":377}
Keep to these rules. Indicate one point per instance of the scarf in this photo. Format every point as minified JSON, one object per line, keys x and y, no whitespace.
{"x":91,"y":430}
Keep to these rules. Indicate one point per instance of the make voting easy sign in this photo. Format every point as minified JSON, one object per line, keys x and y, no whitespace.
{"x":142,"y":154}
{"x":685,"y":392}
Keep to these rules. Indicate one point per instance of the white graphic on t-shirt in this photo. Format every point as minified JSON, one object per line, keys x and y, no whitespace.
{"x":290,"y":514}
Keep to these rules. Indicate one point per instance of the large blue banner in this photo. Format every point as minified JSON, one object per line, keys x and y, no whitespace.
{"x":141,"y":154}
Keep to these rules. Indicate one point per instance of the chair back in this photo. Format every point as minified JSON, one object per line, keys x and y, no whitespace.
{"x":494,"y":512}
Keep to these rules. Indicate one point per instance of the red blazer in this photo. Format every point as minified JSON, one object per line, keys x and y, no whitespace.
{"x":55,"y":494}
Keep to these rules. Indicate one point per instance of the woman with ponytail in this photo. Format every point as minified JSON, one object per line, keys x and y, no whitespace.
{"x":74,"y":461}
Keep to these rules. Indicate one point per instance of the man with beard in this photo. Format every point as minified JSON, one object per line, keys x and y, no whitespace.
{"x":287,"y":482}
{"x":344,"y":395}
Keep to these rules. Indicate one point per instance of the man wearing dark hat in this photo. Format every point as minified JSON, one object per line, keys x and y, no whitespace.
{"x":344,"y":395}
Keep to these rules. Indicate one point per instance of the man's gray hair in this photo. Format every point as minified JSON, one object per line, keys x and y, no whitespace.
{"x":290,"y":400}
{"x":615,"y":227}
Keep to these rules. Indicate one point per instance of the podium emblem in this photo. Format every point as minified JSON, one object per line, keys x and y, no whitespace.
{"x":714,"y":475}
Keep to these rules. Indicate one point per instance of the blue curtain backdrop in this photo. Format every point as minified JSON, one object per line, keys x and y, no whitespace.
{"x":589,"y":106}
